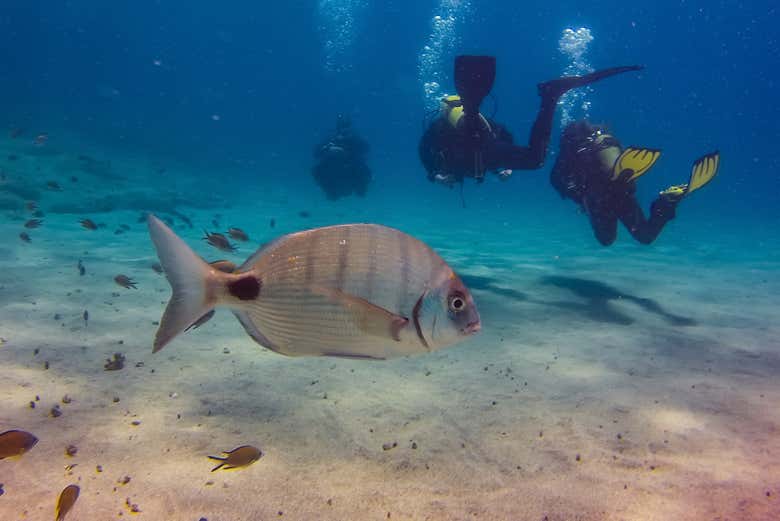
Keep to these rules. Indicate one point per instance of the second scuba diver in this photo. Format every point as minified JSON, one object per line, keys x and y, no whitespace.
{"x":463,"y":143}
{"x":340,"y":167}
{"x":596,"y":172}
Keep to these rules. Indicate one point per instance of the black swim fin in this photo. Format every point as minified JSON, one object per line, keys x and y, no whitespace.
{"x":558,"y":87}
{"x":474,"y":77}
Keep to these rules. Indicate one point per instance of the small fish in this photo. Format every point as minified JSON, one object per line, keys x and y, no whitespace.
{"x":85,"y":316}
{"x":239,"y":457}
{"x":89,"y":224}
{"x":354,"y":291}
{"x":15,"y":443}
{"x":219,"y":241}
{"x":304,"y":213}
{"x":157,"y":268}
{"x":67,"y":499}
{"x":224,"y":266}
{"x":31,"y":206}
{"x":82,"y":269}
{"x":54,"y":186}
{"x":238,"y":234}
{"x":12,"y":157}
{"x":41,"y":139}
{"x":25,"y":237}
{"x":33,"y":223}
{"x":273,"y":223}
{"x":202,"y":320}
{"x":125,"y":281}
{"x":74,"y":179}
{"x":115,"y":364}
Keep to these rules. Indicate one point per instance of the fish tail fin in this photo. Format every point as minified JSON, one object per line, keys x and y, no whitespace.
{"x":190,"y":278}
{"x":217,"y":459}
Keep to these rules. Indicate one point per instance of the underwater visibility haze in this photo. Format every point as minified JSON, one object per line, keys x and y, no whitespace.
{"x":418,"y":260}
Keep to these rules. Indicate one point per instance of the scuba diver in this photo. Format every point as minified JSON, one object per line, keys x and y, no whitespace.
{"x":340,"y":162}
{"x":596,"y":172}
{"x":462,"y":143}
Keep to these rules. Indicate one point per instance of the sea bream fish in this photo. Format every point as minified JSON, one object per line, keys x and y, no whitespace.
{"x":352,"y":290}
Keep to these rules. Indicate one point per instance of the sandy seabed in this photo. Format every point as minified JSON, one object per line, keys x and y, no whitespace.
{"x":607,"y":384}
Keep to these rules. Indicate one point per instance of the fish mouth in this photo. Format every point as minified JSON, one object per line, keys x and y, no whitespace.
{"x":472,"y":327}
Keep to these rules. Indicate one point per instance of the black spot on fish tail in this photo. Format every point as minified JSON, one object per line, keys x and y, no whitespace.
{"x":245,"y":288}
{"x":416,"y":320}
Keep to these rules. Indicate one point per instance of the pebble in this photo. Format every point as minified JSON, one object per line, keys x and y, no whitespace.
{"x":55,"y":411}
{"x":99,"y":468}
{"x":66,"y":399}
{"x":71,"y":450}
{"x":388,"y":446}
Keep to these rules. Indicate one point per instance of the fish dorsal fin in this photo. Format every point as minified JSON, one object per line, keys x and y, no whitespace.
{"x":703,"y":171}
{"x":369,"y":318}
{"x":634,"y":162}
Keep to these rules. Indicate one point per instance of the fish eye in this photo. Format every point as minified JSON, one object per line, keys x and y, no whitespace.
{"x":457,"y":302}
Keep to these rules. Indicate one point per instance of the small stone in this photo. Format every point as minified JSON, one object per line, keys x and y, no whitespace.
{"x":330,"y":501}
{"x":116,"y":399}
{"x":37,"y":398}
{"x":414,"y":444}
{"x":55,"y":412}
{"x":209,"y":483}
{"x":71,"y":450}
{"x":135,"y":422}
{"x":577,"y":457}
{"x":98,"y":468}
{"x":125,"y":480}
{"x":32,"y":404}
{"x":619,"y":436}
{"x":46,"y":364}
{"x":388,"y":446}
{"x":226,"y":351}
{"x":66,"y":399}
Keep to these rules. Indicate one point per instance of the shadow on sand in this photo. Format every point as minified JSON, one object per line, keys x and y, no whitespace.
{"x":483,"y":283}
{"x":598,"y":306}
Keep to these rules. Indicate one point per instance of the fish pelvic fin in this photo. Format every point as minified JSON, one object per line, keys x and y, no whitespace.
{"x":191,"y":278}
{"x":370,"y":318}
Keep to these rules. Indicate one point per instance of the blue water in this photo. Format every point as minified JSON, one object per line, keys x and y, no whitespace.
{"x":710,"y":82}
{"x":222,"y":103}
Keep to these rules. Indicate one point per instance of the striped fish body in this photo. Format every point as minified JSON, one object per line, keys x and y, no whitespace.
{"x":355,"y":290}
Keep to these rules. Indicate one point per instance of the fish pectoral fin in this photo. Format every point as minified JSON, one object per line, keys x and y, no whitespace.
{"x":370,"y":318}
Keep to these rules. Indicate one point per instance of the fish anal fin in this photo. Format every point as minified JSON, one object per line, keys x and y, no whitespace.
{"x":370,"y":318}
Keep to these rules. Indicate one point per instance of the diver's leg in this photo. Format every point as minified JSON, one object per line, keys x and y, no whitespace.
{"x":602,"y":219}
{"x":644,"y":230}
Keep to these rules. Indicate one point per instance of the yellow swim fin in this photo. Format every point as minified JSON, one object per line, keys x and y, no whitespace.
{"x":704,"y":170}
{"x":633,"y":162}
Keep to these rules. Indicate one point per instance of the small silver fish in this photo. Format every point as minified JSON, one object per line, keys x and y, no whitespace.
{"x":354,"y":290}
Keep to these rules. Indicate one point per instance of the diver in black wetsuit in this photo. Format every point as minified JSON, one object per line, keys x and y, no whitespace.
{"x":596,"y":172}
{"x":463,"y":143}
{"x":340,"y":167}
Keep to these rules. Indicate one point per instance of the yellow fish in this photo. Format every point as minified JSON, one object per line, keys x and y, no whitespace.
{"x":238,"y":457}
{"x":67,"y":499}
{"x":354,"y":290}
{"x":16,"y":443}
